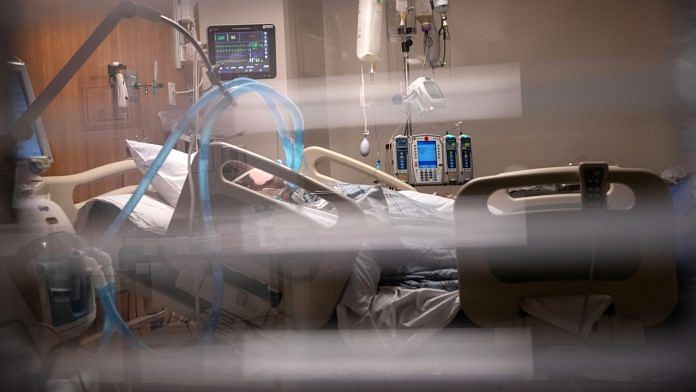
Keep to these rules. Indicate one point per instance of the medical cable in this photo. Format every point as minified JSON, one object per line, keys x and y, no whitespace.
{"x":407,"y":118}
{"x":444,"y":34}
{"x":365,"y":143}
{"x":192,"y":191}
{"x":193,"y":145}
{"x":192,"y":90}
{"x":427,"y":46}
{"x":212,"y":75}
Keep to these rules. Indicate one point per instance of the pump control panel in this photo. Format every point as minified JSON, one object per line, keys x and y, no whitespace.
{"x":426,"y":159}
{"x":466,"y":166}
{"x":451,"y":160}
{"x":399,"y":148}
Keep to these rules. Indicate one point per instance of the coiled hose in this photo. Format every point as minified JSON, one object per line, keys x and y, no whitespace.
{"x":293,"y":150}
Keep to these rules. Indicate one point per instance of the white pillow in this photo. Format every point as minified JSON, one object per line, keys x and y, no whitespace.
{"x":170,"y":178}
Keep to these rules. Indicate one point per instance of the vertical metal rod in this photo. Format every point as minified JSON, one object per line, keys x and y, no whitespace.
{"x":407,"y":82}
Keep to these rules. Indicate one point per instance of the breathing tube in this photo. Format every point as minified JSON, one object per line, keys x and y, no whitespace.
{"x":293,"y":150}
{"x":99,"y":263}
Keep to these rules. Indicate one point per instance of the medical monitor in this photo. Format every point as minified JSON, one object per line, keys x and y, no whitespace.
{"x":36,"y":149}
{"x":427,"y":154}
{"x":243,"y":51}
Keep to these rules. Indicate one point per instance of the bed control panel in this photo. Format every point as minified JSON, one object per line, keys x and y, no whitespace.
{"x":594,"y":184}
{"x":426,"y":159}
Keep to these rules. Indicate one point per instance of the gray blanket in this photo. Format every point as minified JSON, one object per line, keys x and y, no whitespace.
{"x":421,"y":258}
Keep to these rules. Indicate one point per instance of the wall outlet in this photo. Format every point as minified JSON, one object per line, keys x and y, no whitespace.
{"x":171,"y":91}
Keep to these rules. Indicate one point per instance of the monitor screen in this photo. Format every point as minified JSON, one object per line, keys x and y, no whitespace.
{"x":21,"y":95}
{"x":427,"y":154}
{"x":243,"y":51}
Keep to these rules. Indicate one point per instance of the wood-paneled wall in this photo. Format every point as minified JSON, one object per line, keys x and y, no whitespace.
{"x":80,"y":123}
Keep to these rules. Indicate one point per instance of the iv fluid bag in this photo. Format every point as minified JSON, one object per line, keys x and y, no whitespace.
{"x":402,"y":6}
{"x":424,"y":14}
{"x":369,"y":43}
{"x":441,"y":5}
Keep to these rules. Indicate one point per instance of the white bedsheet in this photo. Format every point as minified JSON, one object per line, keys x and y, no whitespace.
{"x":151,"y":214}
{"x":442,"y":204}
{"x":399,"y":318}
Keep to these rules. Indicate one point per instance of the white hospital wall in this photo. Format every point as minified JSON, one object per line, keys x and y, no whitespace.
{"x":596,"y":80}
{"x":250,"y":116}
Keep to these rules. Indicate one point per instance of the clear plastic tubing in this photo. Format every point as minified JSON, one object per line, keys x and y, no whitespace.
{"x":293,"y":151}
{"x":168,"y":145}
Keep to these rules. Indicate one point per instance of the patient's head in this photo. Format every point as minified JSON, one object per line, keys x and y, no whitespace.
{"x":251,"y":177}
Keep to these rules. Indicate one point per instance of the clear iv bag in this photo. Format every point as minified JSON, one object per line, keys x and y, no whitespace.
{"x":424,"y":14}
{"x":402,"y":6}
{"x":369,"y":41}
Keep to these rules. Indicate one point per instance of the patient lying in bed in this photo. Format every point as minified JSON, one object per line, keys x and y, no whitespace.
{"x":416,"y":276}
{"x":415,"y":268}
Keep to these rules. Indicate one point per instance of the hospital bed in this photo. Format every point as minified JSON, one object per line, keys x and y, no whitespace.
{"x":487,"y":299}
{"x":617,"y":263}
{"x":62,"y":188}
{"x":255,"y":307}
{"x":294,"y":251}
{"x":300,"y":292}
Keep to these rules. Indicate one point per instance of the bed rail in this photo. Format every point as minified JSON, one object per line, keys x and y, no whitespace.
{"x":61,"y":188}
{"x":311,"y":274}
{"x":638,"y":239}
{"x":314,"y":155}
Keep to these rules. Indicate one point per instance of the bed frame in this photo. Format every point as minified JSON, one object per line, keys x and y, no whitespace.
{"x":309,"y":279}
{"x":309,"y":297}
{"x":640,"y":227}
{"x":61,"y":188}
{"x":315,"y":155}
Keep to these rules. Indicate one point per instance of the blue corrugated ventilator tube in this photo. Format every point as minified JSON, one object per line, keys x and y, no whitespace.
{"x":293,"y":148}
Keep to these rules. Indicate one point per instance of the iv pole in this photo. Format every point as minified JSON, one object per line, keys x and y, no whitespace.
{"x":406,"y":34}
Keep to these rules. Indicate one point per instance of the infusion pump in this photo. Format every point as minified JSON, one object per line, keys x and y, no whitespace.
{"x":426,"y":159}
{"x":432,"y":159}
